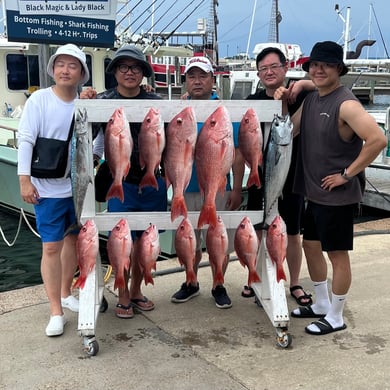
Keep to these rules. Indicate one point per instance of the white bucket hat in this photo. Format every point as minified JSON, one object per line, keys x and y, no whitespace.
{"x":70,"y":50}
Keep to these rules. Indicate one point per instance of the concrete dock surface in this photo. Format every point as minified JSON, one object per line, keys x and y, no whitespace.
{"x":196,"y":346}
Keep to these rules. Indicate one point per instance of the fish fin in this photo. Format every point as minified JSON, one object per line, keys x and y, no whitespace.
{"x":115,"y":191}
{"x":149,"y":180}
{"x":178,"y":207}
{"x":208,"y":215}
{"x":253,"y":179}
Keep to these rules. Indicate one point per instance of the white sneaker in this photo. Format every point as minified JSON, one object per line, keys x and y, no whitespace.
{"x":56,"y":325}
{"x":70,"y":303}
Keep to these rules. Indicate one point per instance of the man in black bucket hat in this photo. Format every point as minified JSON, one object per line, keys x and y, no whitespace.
{"x":129,"y":51}
{"x":338,"y":140}
{"x":328,"y":52}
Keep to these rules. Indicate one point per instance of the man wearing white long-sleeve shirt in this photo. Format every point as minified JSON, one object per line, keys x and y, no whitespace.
{"x":48,"y":113}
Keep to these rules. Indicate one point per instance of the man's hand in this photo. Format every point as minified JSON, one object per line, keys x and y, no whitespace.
{"x":88,"y":93}
{"x":28,"y":191}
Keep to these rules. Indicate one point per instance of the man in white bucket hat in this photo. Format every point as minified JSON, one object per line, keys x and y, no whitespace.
{"x":48,"y":113}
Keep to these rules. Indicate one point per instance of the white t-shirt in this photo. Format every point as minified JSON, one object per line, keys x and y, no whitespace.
{"x":44,"y":115}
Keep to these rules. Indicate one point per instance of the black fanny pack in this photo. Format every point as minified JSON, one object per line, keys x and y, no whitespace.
{"x":50,"y":157}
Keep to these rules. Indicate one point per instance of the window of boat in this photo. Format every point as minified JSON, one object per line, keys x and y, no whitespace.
{"x":22,"y":71}
{"x":89,"y":65}
{"x":241,"y":90}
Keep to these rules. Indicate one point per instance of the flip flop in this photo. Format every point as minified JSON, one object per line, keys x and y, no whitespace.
{"x":143,"y":304}
{"x":123,"y":311}
{"x":247,"y":292}
{"x":306,"y":312}
{"x":325,"y":327}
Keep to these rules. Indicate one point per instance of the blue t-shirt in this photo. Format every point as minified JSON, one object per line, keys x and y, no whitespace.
{"x":193,"y":184}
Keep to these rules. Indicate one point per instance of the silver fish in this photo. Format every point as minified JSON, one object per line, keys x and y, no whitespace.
{"x":79,"y":172}
{"x":277,"y":161}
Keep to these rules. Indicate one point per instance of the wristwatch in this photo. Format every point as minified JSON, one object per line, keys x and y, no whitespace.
{"x":345,"y":175}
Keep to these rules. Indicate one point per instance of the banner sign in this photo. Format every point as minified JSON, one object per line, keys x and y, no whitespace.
{"x":83,"y":22}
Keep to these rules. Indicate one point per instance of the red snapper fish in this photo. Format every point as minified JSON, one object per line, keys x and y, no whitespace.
{"x":276,"y":243}
{"x":87,"y":248}
{"x":250,"y":143}
{"x":217,"y":247}
{"x":179,"y":156}
{"x":148,"y":249}
{"x":118,"y":146}
{"x":246,"y":245}
{"x":214,"y":155}
{"x":185,"y":245}
{"x":151,"y":143}
{"x":119,"y":247}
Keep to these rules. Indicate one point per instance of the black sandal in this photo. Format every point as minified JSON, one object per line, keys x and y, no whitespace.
{"x":300,"y":300}
{"x":247,"y":292}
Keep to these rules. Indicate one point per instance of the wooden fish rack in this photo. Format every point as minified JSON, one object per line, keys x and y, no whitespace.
{"x":269,"y":294}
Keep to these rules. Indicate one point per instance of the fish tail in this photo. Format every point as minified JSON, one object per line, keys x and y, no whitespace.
{"x":253,"y":179}
{"x":149,"y":180}
{"x":190,"y":277}
{"x":178,"y":207}
{"x":80,"y":282}
{"x":148,"y":278}
{"x":74,"y":228}
{"x":219,"y":278}
{"x":115,"y":191}
{"x":119,"y":282}
{"x":280,"y":274}
{"x":208,"y":215}
{"x":253,"y":277}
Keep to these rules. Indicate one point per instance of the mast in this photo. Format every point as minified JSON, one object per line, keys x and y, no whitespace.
{"x":276,"y":18}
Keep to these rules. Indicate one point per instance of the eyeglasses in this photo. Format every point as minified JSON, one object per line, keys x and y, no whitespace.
{"x":272,"y":68}
{"x":123,"y":68}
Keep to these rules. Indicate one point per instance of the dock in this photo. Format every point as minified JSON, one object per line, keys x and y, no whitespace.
{"x":377,"y":192}
{"x":196,"y":346}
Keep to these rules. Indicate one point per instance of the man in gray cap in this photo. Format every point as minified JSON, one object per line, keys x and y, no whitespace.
{"x":129,"y":67}
{"x":338,"y":140}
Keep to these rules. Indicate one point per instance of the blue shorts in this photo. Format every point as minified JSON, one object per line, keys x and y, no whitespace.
{"x":148,"y":199}
{"x":53,"y":217}
{"x":331,"y":225}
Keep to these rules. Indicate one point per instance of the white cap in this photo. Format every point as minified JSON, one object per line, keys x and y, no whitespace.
{"x":70,"y":50}
{"x":201,"y":63}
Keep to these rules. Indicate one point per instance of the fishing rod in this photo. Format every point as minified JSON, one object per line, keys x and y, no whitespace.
{"x":139,"y":2}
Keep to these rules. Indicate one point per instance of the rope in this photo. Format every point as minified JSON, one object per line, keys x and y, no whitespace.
{"x":22,"y":216}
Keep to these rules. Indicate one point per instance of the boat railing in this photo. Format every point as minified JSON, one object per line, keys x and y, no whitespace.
{"x":13,"y":141}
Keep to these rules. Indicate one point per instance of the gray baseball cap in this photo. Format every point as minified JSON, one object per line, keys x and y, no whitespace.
{"x":129,"y":51}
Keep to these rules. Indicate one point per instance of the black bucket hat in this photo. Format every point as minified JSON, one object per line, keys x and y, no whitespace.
{"x":129,"y":51}
{"x":329,"y":52}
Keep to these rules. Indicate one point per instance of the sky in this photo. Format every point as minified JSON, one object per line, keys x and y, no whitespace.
{"x":304,"y":22}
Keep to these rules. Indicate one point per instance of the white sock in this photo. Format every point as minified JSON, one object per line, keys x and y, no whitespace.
{"x":322,"y":304}
{"x":335,"y":313}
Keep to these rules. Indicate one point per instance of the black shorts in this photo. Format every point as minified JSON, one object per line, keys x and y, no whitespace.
{"x":331,"y":225}
{"x":291,"y":209}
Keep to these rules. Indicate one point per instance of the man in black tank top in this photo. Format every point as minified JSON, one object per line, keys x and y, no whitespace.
{"x":338,"y":140}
